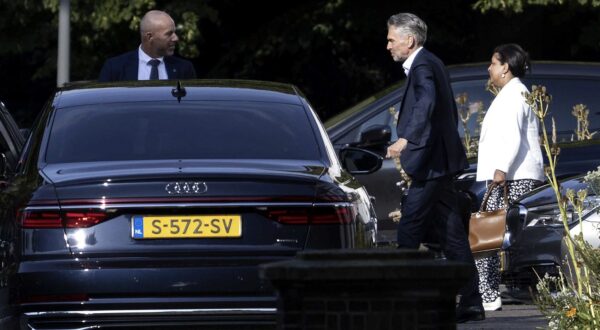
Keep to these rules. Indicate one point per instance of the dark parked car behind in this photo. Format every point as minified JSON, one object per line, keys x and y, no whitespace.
{"x":371,"y":124}
{"x":534,"y":242}
{"x":141,"y":204}
{"x":11,"y":143}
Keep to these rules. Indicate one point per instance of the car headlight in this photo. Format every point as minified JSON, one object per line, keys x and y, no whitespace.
{"x":549,"y":215}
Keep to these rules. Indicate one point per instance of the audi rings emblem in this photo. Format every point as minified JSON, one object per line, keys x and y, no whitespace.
{"x":178,"y":188}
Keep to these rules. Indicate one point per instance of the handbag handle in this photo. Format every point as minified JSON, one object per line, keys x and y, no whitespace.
{"x":489,"y":192}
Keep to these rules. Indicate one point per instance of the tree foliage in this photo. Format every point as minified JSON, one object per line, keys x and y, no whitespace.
{"x":517,"y":5}
{"x":333,"y":50}
{"x":98,"y":29}
{"x":326,"y":51}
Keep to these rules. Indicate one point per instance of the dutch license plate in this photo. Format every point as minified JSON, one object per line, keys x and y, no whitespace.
{"x":187,"y":226}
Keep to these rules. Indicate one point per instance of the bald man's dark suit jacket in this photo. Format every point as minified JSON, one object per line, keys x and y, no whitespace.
{"x":428,"y":119}
{"x":125,"y":67}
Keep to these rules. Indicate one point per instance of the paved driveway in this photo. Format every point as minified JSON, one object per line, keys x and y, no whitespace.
{"x":512,"y":317}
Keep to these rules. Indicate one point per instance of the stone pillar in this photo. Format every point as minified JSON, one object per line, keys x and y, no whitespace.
{"x":366,"y":290}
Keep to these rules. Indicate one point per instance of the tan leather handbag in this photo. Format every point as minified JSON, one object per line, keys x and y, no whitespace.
{"x":487,"y":228}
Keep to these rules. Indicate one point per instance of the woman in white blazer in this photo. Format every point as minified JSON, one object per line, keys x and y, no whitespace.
{"x":509,"y":151}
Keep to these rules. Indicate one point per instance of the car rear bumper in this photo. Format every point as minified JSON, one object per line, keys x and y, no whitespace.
{"x":187,"y":293}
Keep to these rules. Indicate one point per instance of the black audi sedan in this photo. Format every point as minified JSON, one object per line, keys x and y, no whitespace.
{"x":153,"y":204}
{"x":371,"y":124}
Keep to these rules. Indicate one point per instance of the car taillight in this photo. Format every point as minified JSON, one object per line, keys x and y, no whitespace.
{"x":313,"y":215}
{"x":53,"y":219}
{"x":83,"y":219}
{"x":40,"y":219}
{"x":332,"y":215}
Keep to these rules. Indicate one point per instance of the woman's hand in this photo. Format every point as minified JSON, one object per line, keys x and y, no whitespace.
{"x":499,"y":177}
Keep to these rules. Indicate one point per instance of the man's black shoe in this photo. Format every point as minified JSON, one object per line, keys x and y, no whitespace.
{"x":471,"y":313}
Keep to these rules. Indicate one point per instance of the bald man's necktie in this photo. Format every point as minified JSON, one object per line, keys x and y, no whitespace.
{"x":154,"y":71}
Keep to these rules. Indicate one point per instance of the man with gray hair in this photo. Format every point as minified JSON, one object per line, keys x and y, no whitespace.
{"x":154,"y":58}
{"x":431,"y":153}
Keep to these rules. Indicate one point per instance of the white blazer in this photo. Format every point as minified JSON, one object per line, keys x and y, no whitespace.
{"x":509,"y":138}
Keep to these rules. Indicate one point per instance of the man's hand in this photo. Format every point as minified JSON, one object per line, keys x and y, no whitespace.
{"x":499,"y":177}
{"x":395,"y":149}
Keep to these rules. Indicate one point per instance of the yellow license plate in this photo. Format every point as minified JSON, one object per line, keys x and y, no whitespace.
{"x":187,"y":226}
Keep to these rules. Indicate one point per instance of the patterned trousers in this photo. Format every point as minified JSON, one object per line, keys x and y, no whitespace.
{"x":489,"y":267}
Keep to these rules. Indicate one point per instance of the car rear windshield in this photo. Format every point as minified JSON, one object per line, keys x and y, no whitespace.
{"x":190,"y":130}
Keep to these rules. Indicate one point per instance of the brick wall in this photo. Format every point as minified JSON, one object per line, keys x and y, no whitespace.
{"x":366,"y":290}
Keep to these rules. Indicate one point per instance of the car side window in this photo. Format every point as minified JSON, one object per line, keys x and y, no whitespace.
{"x":567,"y":93}
{"x":385,"y":116}
{"x":472,"y":100}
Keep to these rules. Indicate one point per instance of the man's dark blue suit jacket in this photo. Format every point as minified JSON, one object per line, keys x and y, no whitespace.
{"x":428,"y":119}
{"x":125,"y":67}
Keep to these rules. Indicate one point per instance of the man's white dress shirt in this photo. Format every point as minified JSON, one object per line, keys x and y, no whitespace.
{"x":509,"y":138}
{"x":144,"y":68}
{"x":408,"y":62}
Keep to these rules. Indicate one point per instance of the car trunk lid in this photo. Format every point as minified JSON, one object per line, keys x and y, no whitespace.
{"x":174,"y":208}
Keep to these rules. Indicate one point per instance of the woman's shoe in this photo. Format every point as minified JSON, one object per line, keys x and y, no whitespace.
{"x":495,"y":305}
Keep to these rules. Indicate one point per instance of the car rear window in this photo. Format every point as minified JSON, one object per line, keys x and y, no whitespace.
{"x":190,"y":130}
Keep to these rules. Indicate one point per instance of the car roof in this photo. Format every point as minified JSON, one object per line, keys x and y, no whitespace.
{"x":83,"y":93}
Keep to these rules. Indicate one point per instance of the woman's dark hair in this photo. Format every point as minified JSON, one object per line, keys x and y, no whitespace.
{"x":515,"y":56}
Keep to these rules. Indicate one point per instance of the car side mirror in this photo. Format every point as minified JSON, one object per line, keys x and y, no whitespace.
{"x":376,"y":135}
{"x":360,"y":161}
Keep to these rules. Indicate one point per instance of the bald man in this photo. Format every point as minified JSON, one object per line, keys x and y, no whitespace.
{"x":154,"y":58}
